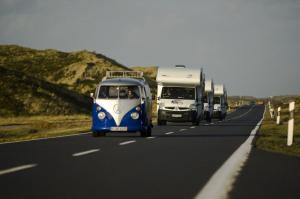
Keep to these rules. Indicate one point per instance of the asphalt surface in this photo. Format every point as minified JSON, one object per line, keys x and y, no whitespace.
{"x":176,"y":162}
{"x":268,"y":175}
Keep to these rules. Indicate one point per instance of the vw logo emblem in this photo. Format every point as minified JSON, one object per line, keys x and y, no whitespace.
{"x":116,"y":109}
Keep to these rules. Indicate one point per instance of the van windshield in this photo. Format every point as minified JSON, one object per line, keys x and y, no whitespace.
{"x":121,"y":92}
{"x":205,"y":99}
{"x":177,"y":93}
{"x":216,"y":100}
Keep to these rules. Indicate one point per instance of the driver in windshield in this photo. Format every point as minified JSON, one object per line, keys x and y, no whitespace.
{"x":132,"y":94}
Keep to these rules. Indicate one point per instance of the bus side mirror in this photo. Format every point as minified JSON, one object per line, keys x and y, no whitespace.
{"x":92,"y":95}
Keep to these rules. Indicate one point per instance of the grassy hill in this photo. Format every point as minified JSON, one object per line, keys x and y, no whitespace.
{"x":79,"y":71}
{"x":48,"y":81}
{"x":22,"y":94}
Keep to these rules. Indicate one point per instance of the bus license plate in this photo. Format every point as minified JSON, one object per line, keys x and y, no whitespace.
{"x":176,"y":115}
{"x":119,"y":128}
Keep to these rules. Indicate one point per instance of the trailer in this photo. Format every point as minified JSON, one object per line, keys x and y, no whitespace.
{"x":179,"y":94}
{"x":220,"y":101}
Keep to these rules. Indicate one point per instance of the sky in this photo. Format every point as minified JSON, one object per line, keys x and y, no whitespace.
{"x":253,"y":47}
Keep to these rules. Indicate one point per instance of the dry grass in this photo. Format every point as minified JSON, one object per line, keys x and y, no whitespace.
{"x":26,"y":128}
{"x":273,"y":137}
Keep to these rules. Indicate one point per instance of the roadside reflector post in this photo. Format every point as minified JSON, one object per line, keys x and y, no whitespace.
{"x":291,"y":124}
{"x":278,"y":116}
{"x":272,"y":113}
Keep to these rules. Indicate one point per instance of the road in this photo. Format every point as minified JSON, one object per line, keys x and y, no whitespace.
{"x":176,"y":162}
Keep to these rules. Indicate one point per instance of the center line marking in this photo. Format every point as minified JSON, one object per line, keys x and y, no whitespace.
{"x":127,"y":142}
{"x":85,"y":152}
{"x":150,"y":137}
{"x":18,"y":168}
{"x":182,"y":130}
{"x":192,"y":127}
{"x":169,"y":133}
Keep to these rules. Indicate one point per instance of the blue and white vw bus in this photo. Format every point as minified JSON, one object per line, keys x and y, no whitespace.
{"x":122,"y":103}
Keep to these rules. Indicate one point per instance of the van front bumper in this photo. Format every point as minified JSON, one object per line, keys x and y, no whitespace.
{"x":177,"y":116}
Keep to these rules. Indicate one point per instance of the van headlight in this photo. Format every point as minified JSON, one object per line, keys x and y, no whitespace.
{"x":134,"y":115}
{"x":161,"y":105}
{"x":98,"y":108}
{"x":193,"y":107}
{"x":101,"y":115}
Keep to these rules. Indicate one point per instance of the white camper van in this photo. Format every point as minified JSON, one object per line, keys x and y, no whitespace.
{"x":208,"y":99}
{"x":179,"y":95}
{"x":220,"y":101}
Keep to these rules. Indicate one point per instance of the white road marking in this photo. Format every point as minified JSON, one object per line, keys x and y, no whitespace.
{"x":18,"y":168}
{"x":182,"y":129}
{"x":61,"y":136}
{"x":206,"y":124}
{"x":169,"y":133}
{"x":221,"y":183}
{"x":150,"y":137}
{"x":192,"y":127}
{"x":85,"y":152}
{"x":127,"y":142}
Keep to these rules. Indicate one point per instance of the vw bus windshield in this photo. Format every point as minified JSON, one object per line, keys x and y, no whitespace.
{"x":177,"y":93}
{"x":121,"y":92}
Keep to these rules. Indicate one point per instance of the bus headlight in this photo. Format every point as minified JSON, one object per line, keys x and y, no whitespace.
{"x":134,"y":115}
{"x":101,"y":115}
{"x":98,"y":108}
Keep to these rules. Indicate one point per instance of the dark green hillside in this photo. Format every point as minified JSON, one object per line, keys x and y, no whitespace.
{"x":22,"y":94}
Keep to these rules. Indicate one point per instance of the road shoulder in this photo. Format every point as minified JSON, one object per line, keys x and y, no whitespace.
{"x":268,"y":175}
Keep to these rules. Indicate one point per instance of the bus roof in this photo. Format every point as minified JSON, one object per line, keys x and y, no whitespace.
{"x":122,"y":81}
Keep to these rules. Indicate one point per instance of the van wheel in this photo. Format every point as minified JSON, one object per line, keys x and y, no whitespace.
{"x":146,"y":133}
{"x":161,"y":122}
{"x":196,"y":123}
{"x":208,"y":118}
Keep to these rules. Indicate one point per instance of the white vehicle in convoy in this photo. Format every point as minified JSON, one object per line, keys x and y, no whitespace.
{"x":220,"y":101}
{"x":208,"y":99}
{"x":179,"y":95}
{"x":122,"y":102}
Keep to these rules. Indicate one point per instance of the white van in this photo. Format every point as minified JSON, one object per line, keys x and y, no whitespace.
{"x":220,"y":101}
{"x":208,"y":99}
{"x":179,"y":95}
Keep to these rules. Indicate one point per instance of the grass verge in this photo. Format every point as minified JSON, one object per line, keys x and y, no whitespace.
{"x":28,"y":128}
{"x":273,"y":137}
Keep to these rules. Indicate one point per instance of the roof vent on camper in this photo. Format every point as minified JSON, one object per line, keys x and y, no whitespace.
{"x":179,"y":66}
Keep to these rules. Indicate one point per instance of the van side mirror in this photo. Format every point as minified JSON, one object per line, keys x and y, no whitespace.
{"x":92,"y":95}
